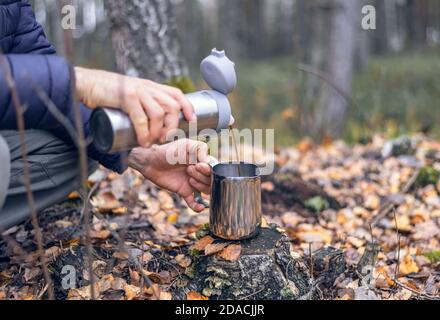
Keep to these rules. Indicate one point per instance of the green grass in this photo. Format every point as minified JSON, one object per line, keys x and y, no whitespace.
{"x":393,"y":95}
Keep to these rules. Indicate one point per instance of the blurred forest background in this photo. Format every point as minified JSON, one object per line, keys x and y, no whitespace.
{"x":305,"y":67}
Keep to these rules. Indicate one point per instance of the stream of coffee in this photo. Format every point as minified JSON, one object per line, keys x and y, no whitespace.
{"x":237,"y":154}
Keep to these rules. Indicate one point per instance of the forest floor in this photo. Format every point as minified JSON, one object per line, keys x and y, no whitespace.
{"x":381,"y":197}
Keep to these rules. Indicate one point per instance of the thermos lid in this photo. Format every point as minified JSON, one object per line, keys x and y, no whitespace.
{"x":219,"y":72}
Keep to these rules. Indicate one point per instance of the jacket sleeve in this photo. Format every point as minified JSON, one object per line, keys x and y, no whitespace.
{"x":29,"y":36}
{"x":33,"y":64}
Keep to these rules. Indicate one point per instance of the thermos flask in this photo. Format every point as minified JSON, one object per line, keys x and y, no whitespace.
{"x":112,"y":130}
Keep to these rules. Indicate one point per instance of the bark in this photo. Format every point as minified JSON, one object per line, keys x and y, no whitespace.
{"x":144,"y":36}
{"x":265,"y":270}
{"x":330,"y":116}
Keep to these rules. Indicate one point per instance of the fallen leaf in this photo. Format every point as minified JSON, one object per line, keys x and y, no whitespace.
{"x":315,"y":236}
{"x":214,"y":248}
{"x":403,"y":223}
{"x":131,"y":292}
{"x":165,"y":296}
{"x":408,"y":266}
{"x":192,"y":295}
{"x":52,"y":252}
{"x":201,"y":244}
{"x":372,"y":202}
{"x":121,"y":255}
{"x":101,"y":235}
{"x":268,"y":186}
{"x":118,"y":284}
{"x":231,"y":253}
{"x":183,"y":261}
{"x":105,"y":202}
{"x":63,"y":224}
{"x":264,"y":223}
{"x":30,"y":274}
{"x":73,"y":195}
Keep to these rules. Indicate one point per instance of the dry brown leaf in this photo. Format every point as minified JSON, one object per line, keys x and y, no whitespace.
{"x":403,"y":223}
{"x":52,"y":252}
{"x":192,"y":295}
{"x":268,"y":186}
{"x":165,"y":296}
{"x":30,"y":274}
{"x":408,"y":266}
{"x":372,"y":202}
{"x":73,"y":195}
{"x":231,"y":253}
{"x":214,"y":248}
{"x":118,"y":284}
{"x":201,"y":244}
{"x":315,"y":236}
{"x":101,"y":235}
{"x":183,"y":261}
{"x":106,"y":202}
{"x":264,"y":223}
{"x":121,"y":255}
{"x":131,"y":292}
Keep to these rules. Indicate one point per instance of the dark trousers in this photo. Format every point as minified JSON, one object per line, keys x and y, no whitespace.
{"x":54,"y":173}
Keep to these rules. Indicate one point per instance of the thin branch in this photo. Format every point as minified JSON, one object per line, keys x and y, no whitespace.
{"x":83,"y":161}
{"x":321,"y":75}
{"x":388,"y":207}
{"x":26,"y":172}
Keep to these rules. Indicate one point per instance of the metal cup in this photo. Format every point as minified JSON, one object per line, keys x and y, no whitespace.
{"x":235,"y":207}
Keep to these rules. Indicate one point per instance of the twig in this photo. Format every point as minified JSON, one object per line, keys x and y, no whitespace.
{"x":396,"y":272}
{"x":420,"y":294}
{"x":26,"y":172}
{"x":321,"y":75}
{"x":81,"y":143}
{"x":388,"y":207}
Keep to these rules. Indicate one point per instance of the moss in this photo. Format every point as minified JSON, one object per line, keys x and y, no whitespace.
{"x":218,"y":272}
{"x":427,"y":176}
{"x":203,"y":231}
{"x":317,"y":204}
{"x":433,"y":256}
{"x":184,"y":83}
{"x":190,"y":272}
{"x":217,"y":282}
{"x":287,"y":294}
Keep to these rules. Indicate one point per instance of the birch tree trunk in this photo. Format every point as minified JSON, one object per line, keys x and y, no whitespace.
{"x":144,"y":36}
{"x":330,"y":116}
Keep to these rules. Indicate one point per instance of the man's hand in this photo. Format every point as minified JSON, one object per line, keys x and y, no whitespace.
{"x":193,"y":172}
{"x":153,"y":108}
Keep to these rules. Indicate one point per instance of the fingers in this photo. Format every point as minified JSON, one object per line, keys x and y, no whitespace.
{"x":198,"y":176}
{"x":185,"y":106}
{"x":191,"y":202}
{"x":140,"y":122}
{"x":156,"y":117}
{"x":204,"y":169}
{"x":204,"y":188}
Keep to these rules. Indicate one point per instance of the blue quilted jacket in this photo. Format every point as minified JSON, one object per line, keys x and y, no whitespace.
{"x":33,"y":62}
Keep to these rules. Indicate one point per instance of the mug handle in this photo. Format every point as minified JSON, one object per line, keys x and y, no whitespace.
{"x":197,"y":195}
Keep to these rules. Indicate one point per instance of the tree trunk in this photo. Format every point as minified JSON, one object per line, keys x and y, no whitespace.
{"x":145,"y":41}
{"x":344,"y":18}
{"x":266,"y":270}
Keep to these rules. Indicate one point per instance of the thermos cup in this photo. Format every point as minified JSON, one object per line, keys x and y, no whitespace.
{"x":112,"y":130}
{"x":235,"y":205}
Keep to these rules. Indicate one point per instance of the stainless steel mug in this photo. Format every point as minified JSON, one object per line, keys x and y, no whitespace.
{"x":235,"y":207}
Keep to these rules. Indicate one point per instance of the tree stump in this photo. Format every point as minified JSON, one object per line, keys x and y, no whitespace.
{"x":265,"y":270}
